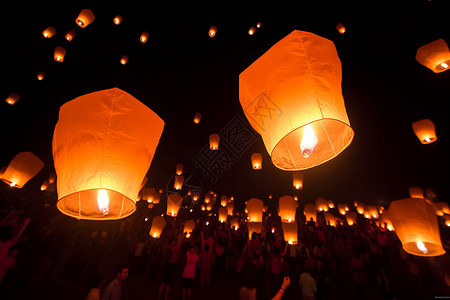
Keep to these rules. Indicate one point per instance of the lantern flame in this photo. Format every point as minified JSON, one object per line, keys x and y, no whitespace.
{"x":309,"y":141}
{"x":103,"y":201}
{"x":444,"y":65}
{"x":422,"y":247}
{"x":12,"y":184}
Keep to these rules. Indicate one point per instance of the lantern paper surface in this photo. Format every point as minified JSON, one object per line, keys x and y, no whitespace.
{"x":255,"y":210}
{"x":321,"y":204}
{"x":173,"y":204}
{"x":23,"y":167}
{"x":330,"y":219}
{"x":425,"y":131}
{"x":85,"y":18}
{"x":104,"y":140}
{"x":158,"y":224}
{"x":290,"y":232}
{"x":310,"y":212}
{"x":415,"y":221}
{"x":292,"y":97}
{"x":287,"y":206}
{"x":435,"y":56}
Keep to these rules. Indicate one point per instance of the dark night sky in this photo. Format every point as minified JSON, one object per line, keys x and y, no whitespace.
{"x":181,"y":70}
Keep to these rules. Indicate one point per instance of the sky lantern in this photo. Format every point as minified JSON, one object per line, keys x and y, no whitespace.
{"x":44,"y":185}
{"x":179,"y":169}
{"x":372,"y":210}
{"x":223,"y":214}
{"x":197,"y":118}
{"x":178,"y":183}
{"x":435,"y":56}
{"x":330,"y":219}
{"x":59,"y":54}
{"x":340,"y":27}
{"x":85,"y":18}
{"x":188,"y":227}
{"x":287,"y":207}
{"x":447,"y":221}
{"x":144,"y":37}
{"x":230,"y":208}
{"x":255,"y":210}
{"x":437,"y":208}
{"x":444,"y":207}
{"x":117,"y":19}
{"x":103,"y":145}
{"x":214,"y":141}
{"x":209,"y":206}
{"x":425,"y":131}
{"x":49,"y":32}
{"x":297,"y":180}
{"x":70,"y":35}
{"x":360,"y":208}
{"x":350,"y":217}
{"x":292,"y":97}
{"x":252,"y":30}
{"x":290,"y":232}
{"x":256,"y":161}
{"x":321,"y":204}
{"x":23,"y":167}
{"x":173,"y":204}
{"x":12,"y":98}
{"x":52,"y":178}
{"x":124,"y":60}
{"x":40,"y":75}
{"x":212,"y":31}
{"x":148,"y":194}
{"x":341,"y":208}
{"x":416,"y":192}
{"x":158,"y":224}
{"x":223,"y":200}
{"x":254,"y":227}
{"x":417,"y":227}
{"x":234,"y":222}
{"x":330,"y":203}
{"x":207,"y":198}
{"x":258,"y":25}
{"x":310,"y":212}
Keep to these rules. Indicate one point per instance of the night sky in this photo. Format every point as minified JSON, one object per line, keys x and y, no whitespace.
{"x":181,"y":71}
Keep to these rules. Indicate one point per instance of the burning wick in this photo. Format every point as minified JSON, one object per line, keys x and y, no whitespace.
{"x":103,"y":202}
{"x":309,"y":141}
{"x":422,"y":247}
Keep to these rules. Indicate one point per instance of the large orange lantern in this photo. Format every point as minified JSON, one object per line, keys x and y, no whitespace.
{"x":310,"y":212}
{"x":23,"y":167}
{"x":85,"y":18}
{"x":287,"y":207}
{"x":425,"y":131}
{"x":292,"y":97}
{"x":188,"y":227}
{"x":435,"y":56}
{"x":415,"y":192}
{"x":49,"y":32}
{"x":297,"y":180}
{"x":290,"y":232}
{"x":173,"y":204}
{"x":223,"y":214}
{"x":103,"y":145}
{"x":223,"y":200}
{"x":230,"y":208}
{"x":214,"y":141}
{"x":255,"y":210}
{"x":59,"y":54}
{"x":178,"y":182}
{"x":417,"y":226}
{"x":158,"y":224}
{"x":12,"y":98}
{"x":256,"y":161}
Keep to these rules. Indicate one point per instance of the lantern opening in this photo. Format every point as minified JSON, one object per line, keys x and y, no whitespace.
{"x":444,"y":65}
{"x":422,"y":247}
{"x":12,"y":184}
{"x":103,"y":201}
{"x":309,"y":141}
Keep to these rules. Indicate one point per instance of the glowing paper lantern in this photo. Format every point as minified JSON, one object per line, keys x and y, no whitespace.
{"x":189,"y":226}
{"x":254,"y":227}
{"x":425,"y":131}
{"x":51,"y":178}
{"x":341,"y":28}
{"x":214,"y":141}
{"x":158,"y":224}
{"x":447,"y":221}
{"x":85,"y":18}
{"x":341,"y":208}
{"x":148,"y":194}
{"x":173,"y":204}
{"x":70,"y":35}
{"x":234,"y":223}
{"x":124,"y":60}
{"x":44,"y":185}
{"x":256,"y":161}
{"x":41,"y":76}
{"x":223,"y":200}
{"x":321,"y":204}
{"x":310,"y":212}
{"x":197,"y":118}
{"x":330,"y":203}
{"x":290,"y":232}
{"x":258,"y":25}
{"x":143,"y":183}
{"x":144,"y":37}
{"x":444,"y":207}
{"x":435,"y":56}
{"x":350,"y":217}
{"x":49,"y":32}
{"x":255,"y":210}
{"x":179,"y":169}
{"x":330,"y":219}
{"x":23,"y":167}
{"x":223,"y":214}
{"x":437,"y":208}
{"x":416,"y":192}
{"x":297,"y":180}
{"x":117,"y":19}
{"x":230,"y":208}
{"x":212,"y":31}
{"x":178,"y":183}
{"x":287,"y":207}
{"x":59,"y":54}
{"x":103,"y":145}
{"x":292,"y":97}
{"x":12,"y":98}
{"x":372,"y":211}
{"x":417,"y":227}
{"x":252,"y":30}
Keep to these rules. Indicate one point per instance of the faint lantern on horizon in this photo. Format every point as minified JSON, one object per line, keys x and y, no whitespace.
{"x":321,"y":204}
{"x":44,"y":185}
{"x":212,"y":31}
{"x":258,"y":25}
{"x":351,"y":218}
{"x":85,"y":18}
{"x":214,"y":140}
{"x":70,"y":35}
{"x":59,"y":54}
{"x":256,"y":161}
{"x":416,"y":192}
{"x":99,"y":172}
{"x":12,"y":98}
{"x":49,"y":32}
{"x":173,"y":204}
{"x":330,"y":219}
{"x":425,"y":131}
{"x":340,"y":27}
{"x":158,"y":224}
{"x":23,"y":167}
{"x":308,"y":122}
{"x":197,"y":118}
{"x":117,"y":19}
{"x":435,"y":56}
{"x":144,"y":37}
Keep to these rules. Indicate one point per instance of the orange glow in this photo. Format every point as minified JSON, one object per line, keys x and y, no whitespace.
{"x":23,"y":167}
{"x":422,"y":247}
{"x":434,"y":55}
{"x":309,"y":141}
{"x":197,"y":118}
{"x":340,"y":27}
{"x":214,"y":140}
{"x":12,"y":98}
{"x":256,"y":161}
{"x":179,"y":169}
{"x":310,"y":212}
{"x":103,"y":201}
{"x":258,"y":25}
{"x":49,"y":32}
{"x":85,"y":18}
{"x":70,"y":35}
{"x":425,"y":131}
{"x":297,"y":180}
{"x":124,"y":60}
{"x":59,"y":54}
{"x":178,"y":184}
{"x":117,"y":20}
{"x":212,"y":31}
{"x":290,"y":232}
{"x":287,"y":207}
{"x":158,"y":224}
{"x":223,"y":214}
{"x":252,"y":30}
{"x":255,"y":210}
{"x":144,"y":37}
{"x":173,"y":204}
{"x":41,"y":76}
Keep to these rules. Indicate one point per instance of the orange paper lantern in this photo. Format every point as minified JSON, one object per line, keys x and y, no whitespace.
{"x":158,"y":224}
{"x":341,"y":208}
{"x":255,"y":210}
{"x":59,"y":54}
{"x":330,"y":219}
{"x":416,"y":192}
{"x":234,"y":223}
{"x":85,"y":18}
{"x":117,"y":19}
{"x":103,"y":145}
{"x":179,"y":169}
{"x":230,"y":208}
{"x":290,"y":232}
{"x":254,"y":227}
{"x":41,"y":76}
{"x":223,"y":200}
{"x":350,"y":217}
{"x":178,"y":183}
{"x":256,"y":161}
{"x":144,"y":37}
{"x":124,"y":60}
{"x":252,"y":30}
{"x":212,"y":31}
{"x":287,"y":207}
{"x":173,"y":204}
{"x":292,"y":97}
{"x":12,"y":98}
{"x":49,"y":32}
{"x":197,"y":118}
{"x":188,"y":227}
{"x":214,"y":141}
{"x":223,"y":214}
{"x":340,"y":27}
{"x":321,"y":204}
{"x":425,"y":131}
{"x":310,"y":212}
{"x":297,"y":180}
{"x":70,"y":35}
{"x":23,"y":167}
{"x":435,"y":56}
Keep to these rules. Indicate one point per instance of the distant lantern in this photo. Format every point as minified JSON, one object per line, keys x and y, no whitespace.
{"x":223,"y":201}
{"x":179,"y":169}
{"x":372,"y":210}
{"x":49,"y":32}
{"x":188,"y":227}
{"x":297,"y":180}
{"x":158,"y":224}
{"x":52,"y":178}
{"x":350,"y":217}
{"x":23,"y":167}
{"x":254,"y":227}
{"x":212,"y":31}
{"x":292,"y":97}
{"x":290,"y":232}
{"x":321,"y":204}
{"x":330,"y":203}
{"x":195,"y":195}
{"x":310,"y":212}
{"x":417,"y":227}
{"x":444,"y":207}
{"x":41,"y":75}
{"x":287,"y":207}
{"x":214,"y":141}
{"x":12,"y":98}
{"x":447,"y":221}
{"x":148,"y":194}
{"x":117,"y":19}
{"x":70,"y":35}
{"x":341,"y":208}
{"x":234,"y":222}
{"x":223,"y":214}
{"x":197,"y":118}
{"x":340,"y":27}
{"x":124,"y":60}
{"x":207,"y":198}
{"x":252,"y":30}
{"x":230,"y":208}
{"x":255,"y":210}
{"x":178,"y":183}
{"x":256,"y":161}
{"x":44,"y":185}
{"x":330,"y":219}
{"x":99,"y":171}
{"x":59,"y":54}
{"x":85,"y":18}
{"x":435,"y":56}
{"x":173,"y":204}
{"x":430,"y":193}
{"x":437,"y":208}
{"x":425,"y":131}
{"x":258,"y":25}
{"x":416,"y":192}
{"x":209,"y":206}
{"x":144,"y":37}
{"x":360,"y":208}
